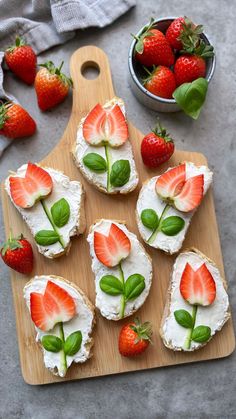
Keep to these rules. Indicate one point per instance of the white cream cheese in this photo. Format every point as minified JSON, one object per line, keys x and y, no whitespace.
{"x":83,"y":321}
{"x":214,"y":315}
{"x":36,"y":218}
{"x":123,"y":152}
{"x":137,"y":262}
{"x":148,"y":199}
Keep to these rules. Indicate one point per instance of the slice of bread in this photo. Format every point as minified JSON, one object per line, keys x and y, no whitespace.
{"x":37,"y":220}
{"x":214,"y":315}
{"x":138,"y":261}
{"x":148,"y":199}
{"x":84,"y":321}
{"x":124,"y":152}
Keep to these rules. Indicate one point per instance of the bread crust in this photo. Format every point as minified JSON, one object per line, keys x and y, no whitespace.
{"x":166,"y":311}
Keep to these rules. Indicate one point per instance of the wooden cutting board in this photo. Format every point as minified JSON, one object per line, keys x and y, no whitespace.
{"x":76,"y":267}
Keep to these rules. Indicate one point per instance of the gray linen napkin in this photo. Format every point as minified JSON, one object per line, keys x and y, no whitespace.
{"x":45,"y":23}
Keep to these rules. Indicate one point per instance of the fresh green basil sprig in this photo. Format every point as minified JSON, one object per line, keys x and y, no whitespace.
{"x":95,"y":162}
{"x":70,"y":347}
{"x":170,"y":226}
{"x":191,"y":96}
{"x":199,"y":334}
{"x":58,"y":216}
{"x":120,"y":173}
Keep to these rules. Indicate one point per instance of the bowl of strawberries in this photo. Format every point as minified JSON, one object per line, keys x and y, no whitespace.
{"x":171,"y":62}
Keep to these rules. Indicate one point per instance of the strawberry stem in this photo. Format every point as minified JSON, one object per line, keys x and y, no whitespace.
{"x":108,"y":167}
{"x":123,"y":300}
{"x":189,"y":336}
{"x":47,"y":212}
{"x":154,"y":233}
{"x":63,"y":365}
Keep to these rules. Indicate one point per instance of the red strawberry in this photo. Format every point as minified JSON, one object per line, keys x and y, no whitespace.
{"x":198,"y":287}
{"x":105,"y":126}
{"x":15,"y":122}
{"x":161,"y":82}
{"x":52,"y":307}
{"x":188,"y":68}
{"x":51,"y":85}
{"x":134,"y":338}
{"x":191,"y":194}
{"x":22,"y":60}
{"x":157,"y":147}
{"x":182,"y":33}
{"x":152,"y":47}
{"x":18,"y":254}
{"x":36,"y":184}
{"x":184,"y":194}
{"x":111,"y":249}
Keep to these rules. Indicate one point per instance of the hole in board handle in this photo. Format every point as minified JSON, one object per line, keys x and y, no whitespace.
{"x":90,"y":70}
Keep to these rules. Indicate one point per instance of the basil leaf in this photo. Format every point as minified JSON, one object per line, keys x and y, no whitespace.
{"x":95,"y":162}
{"x":111,"y":285}
{"x":52,"y":343}
{"x":134,"y":285}
{"x":46,"y":237}
{"x":201,"y":334}
{"x":73,"y":343}
{"x":172,"y":225}
{"x":120,"y":173}
{"x":191,"y":96}
{"x":184,"y":318}
{"x":60,"y":212}
{"x":149,"y":219}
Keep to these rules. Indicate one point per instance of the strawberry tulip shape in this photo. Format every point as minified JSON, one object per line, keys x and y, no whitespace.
{"x":103,"y":126}
{"x":198,"y":287}
{"x":184,"y":194}
{"x":52,"y":307}
{"x":111,"y":249}
{"x":36,"y":184}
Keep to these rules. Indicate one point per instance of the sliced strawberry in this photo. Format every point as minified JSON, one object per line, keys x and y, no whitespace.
{"x":191,"y":194}
{"x":197,"y":287}
{"x":52,"y":307}
{"x":111,"y":249}
{"x":36,"y":184}
{"x":93,"y":126}
{"x":171,"y":182}
{"x":105,"y":126}
{"x":117,"y":127}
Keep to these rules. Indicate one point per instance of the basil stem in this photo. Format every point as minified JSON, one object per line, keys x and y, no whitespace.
{"x":190,"y":332}
{"x":123,"y":299}
{"x":108,"y":167}
{"x":63,"y":365}
{"x":48,"y":214}
{"x":154,"y":233}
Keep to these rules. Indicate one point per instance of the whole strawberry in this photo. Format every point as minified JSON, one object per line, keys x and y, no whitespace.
{"x":188,"y":68}
{"x":15,"y":122}
{"x":21,"y":60}
{"x":157,"y":147}
{"x":182,"y":33}
{"x":134,"y":338}
{"x":51,"y":85}
{"x":18,"y":254}
{"x":152,"y":48}
{"x":160,"y":82}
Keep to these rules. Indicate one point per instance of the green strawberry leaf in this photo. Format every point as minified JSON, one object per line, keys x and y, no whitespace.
{"x":201,"y":334}
{"x":111,"y":285}
{"x":134,"y":286}
{"x":61,"y":212}
{"x":191,"y":96}
{"x":184,"y":318}
{"x":149,"y":219}
{"x":95,"y":162}
{"x":52,"y":343}
{"x":73,"y":343}
{"x":172,"y":225}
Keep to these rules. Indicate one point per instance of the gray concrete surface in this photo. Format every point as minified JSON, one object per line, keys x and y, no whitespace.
{"x":203,"y":390}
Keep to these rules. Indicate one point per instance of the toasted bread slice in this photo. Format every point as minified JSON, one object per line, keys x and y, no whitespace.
{"x":148,"y":199}
{"x":36,"y":218}
{"x":214,"y":315}
{"x":83,"y":321}
{"x":137,"y":262}
{"x":113,"y":154}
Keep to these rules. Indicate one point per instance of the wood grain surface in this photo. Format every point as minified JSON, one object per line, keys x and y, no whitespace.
{"x":76,"y":267}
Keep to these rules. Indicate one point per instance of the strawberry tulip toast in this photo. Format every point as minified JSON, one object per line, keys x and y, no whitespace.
{"x":63,"y":318}
{"x":197,"y":304}
{"x":166,"y":204}
{"x":122,"y":269}
{"x":51,"y":205}
{"x":103,"y":152}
